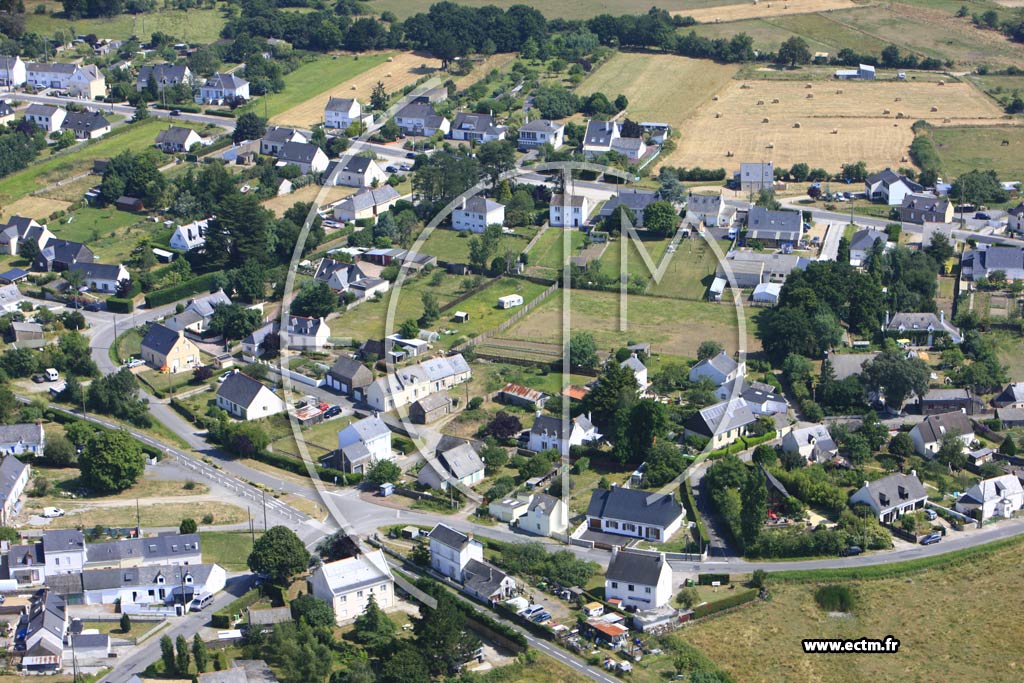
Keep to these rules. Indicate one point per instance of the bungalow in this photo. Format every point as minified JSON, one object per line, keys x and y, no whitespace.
{"x":921,"y":327}
{"x":754,"y":177}
{"x":892,"y":497}
{"x":26,"y":438}
{"x":12,"y":71}
{"x":996,"y":497}
{"x":25,"y":335}
{"x":813,"y":442}
{"x":430,"y":408}
{"x":460,"y":465}
{"x":6,"y":113}
{"x":599,"y":137}
{"x":476,"y":128}
{"x":476,"y":213}
{"x":718,"y":369}
{"x":1010,"y":418}
{"x":709,"y":209}
{"x":533,"y":134}
{"x":350,"y":377}
{"x":101,"y":277}
{"x":947,"y":400}
{"x":640,"y":580}
{"x":14,"y":475}
{"x":177,"y":139}
{"x":45,"y":116}
{"x":989,"y":260}
{"x":306,"y":156}
{"x":1010,"y":397}
{"x":637,"y":367}
{"x":190,"y":236}
{"x":219,"y":88}
{"x":276,"y":137}
{"x":486,"y":582}
{"x":638,"y":514}
{"x":634,"y":200}
{"x":517,"y":395}
{"x":59,"y":255}
{"x":634,"y":149}
{"x":419,"y":118}
{"x":348,"y":584}
{"x":774,"y":228}
{"x":355,"y":171}
{"x":451,"y":551}
{"x":198,"y":313}
{"x":568,"y":211}
{"x":164,"y":75}
{"x":363,"y":443}
{"x":721,"y":423}
{"x":863,"y":242}
{"x":925,"y":208}
{"x":774,"y":268}
{"x":928,"y":434}
{"x":163,"y":347}
{"x":545,"y":516}
{"x":245,"y":398}
{"x":890,"y":188}
{"x":367,"y":204}
{"x":306,"y":334}
{"x":342,"y":112}
{"x":87,"y":125}
{"x":509,"y":509}
{"x":546,"y":433}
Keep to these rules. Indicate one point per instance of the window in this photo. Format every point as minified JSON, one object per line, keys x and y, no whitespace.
{"x":383,"y":588}
{"x":359,"y":594}
{"x":647,"y":589}
{"x":615,"y":584}
{"x":344,"y":598}
{"x":632,"y":588}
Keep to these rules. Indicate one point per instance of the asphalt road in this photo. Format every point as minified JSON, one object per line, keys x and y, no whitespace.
{"x":122,"y":109}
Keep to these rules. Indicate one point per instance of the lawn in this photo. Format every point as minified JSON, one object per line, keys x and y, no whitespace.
{"x":690,"y":270}
{"x":194,"y":25}
{"x":110,"y":233}
{"x":1010,"y":348}
{"x":162,"y":514}
{"x":964,"y":148}
{"x":920,"y":610}
{"x":453,"y":245}
{"x":548,"y":252}
{"x":64,"y":482}
{"x":229,"y":549}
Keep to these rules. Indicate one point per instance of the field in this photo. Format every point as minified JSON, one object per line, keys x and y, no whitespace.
{"x":659,"y":87}
{"x":546,"y":257}
{"x":195,"y":25}
{"x":749,"y":10}
{"x":855,"y":110}
{"x":568,"y":9}
{"x":33,"y":207}
{"x":453,"y":245}
{"x":963,"y":148}
{"x":689,"y":271}
{"x":921,"y":610}
{"x":229,"y":549}
{"x":307,"y":194}
{"x":151,"y":515}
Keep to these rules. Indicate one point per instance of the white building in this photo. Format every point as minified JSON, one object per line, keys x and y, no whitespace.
{"x":476,"y":128}
{"x":12,"y":71}
{"x":711,"y":210}
{"x":413,"y":382}
{"x":177,"y":139}
{"x":220,"y":87}
{"x":64,"y":551}
{"x":568,"y":211}
{"x":27,"y":438}
{"x":547,"y":433}
{"x":245,"y":398}
{"x":356,"y":171}
{"x":367,"y":204}
{"x":533,"y":134}
{"x":451,"y":551}
{"x":363,"y":443}
{"x":342,"y":112}
{"x":508,"y":509}
{"x":599,"y":137}
{"x":637,"y":367}
{"x":718,"y":369}
{"x":813,"y":442}
{"x":996,"y":497}
{"x":889,"y":187}
{"x":419,"y":118}
{"x":84,"y":81}
{"x":460,"y":465}
{"x":45,"y":116}
{"x":928,"y":434}
{"x":347,"y":585}
{"x":276,"y":137}
{"x":639,"y":514}
{"x":101,"y":277}
{"x":641,"y":580}
{"x":510,"y":301}
{"x":476,"y":213}
{"x":308,"y":157}
{"x":190,"y":236}
{"x":546,"y":516}
{"x":892,"y":497}
{"x":307,"y":334}
{"x":14,"y":475}
{"x":148,"y":584}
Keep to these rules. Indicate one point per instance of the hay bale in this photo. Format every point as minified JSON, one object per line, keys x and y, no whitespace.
{"x":391,"y":59}
{"x":764,"y":120}
{"x":352,"y":88}
{"x":389,"y":75}
{"x":839,"y":92}
{"x":898,"y":99}
{"x":808,"y":86}
{"x":904,"y":159}
{"x":760,"y":102}
{"x":935,"y":108}
{"x":810,"y":96}
{"x":718,"y":114}
{"x":715,"y":98}
{"x":949,"y":121}
{"x":770,"y":145}
{"x":775,"y":100}
{"x":942,"y":82}
{"x":796,"y":125}
{"x":729,"y":153}
{"x":835,"y":131}
{"x":900,"y":115}
{"x":744,"y":86}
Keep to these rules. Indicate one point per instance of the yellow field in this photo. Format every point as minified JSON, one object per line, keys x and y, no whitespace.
{"x":32,"y":207}
{"x":864,"y":115}
{"x":750,"y":10}
{"x":306,"y":194}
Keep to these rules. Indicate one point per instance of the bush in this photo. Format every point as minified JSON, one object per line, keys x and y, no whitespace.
{"x":708,"y":579}
{"x":118,"y":305}
{"x":223,"y":617}
{"x":475,"y":403}
{"x":735,"y":600}
{"x":197,"y":285}
{"x":835,"y":598}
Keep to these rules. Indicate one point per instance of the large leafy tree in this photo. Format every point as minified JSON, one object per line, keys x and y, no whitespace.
{"x":442,"y":635}
{"x":373,"y":628}
{"x":661,"y":217}
{"x":249,"y":126}
{"x":111,"y":462}
{"x":315,"y":299}
{"x":896,"y":376}
{"x":279,"y":554}
{"x":583,"y":350}
{"x":314,"y":611}
{"x":234,"y":321}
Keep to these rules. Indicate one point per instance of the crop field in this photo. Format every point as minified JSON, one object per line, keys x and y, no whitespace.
{"x":963,"y":148}
{"x":822,"y":124}
{"x":659,"y":87}
{"x":194,"y":25}
{"x":568,"y":9}
{"x":750,"y":10}
{"x":521,"y":349}
{"x":32,"y":207}
{"x":761,"y":643}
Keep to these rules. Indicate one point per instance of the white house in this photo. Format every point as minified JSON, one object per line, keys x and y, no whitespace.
{"x":459,"y":465}
{"x":356,"y":171}
{"x":26,"y":438}
{"x":413,"y":382}
{"x":451,"y":551}
{"x":718,"y":369}
{"x":307,"y":334}
{"x":64,"y":551}
{"x":101,"y":277}
{"x":308,"y":157}
{"x":476,"y":128}
{"x":599,"y":137}
{"x":419,"y":118}
{"x":863,"y":241}
{"x":347,"y":585}
{"x":890,"y":187}
{"x":245,"y":398}
{"x":87,"y":81}
{"x":813,"y":442}
{"x":633,"y":149}
{"x":190,"y":236}
{"x":220,"y":87}
{"x":86,"y":125}
{"x":996,"y":497}
{"x":12,"y":71}
{"x":164,"y":75}
{"x":641,"y":580}
{"x":928,"y":434}
{"x":568,"y":211}
{"x":476,"y":213}
{"x":367,"y":204}
{"x":639,"y":514}
{"x":709,"y":209}
{"x":487,"y":583}
{"x":547,"y":433}
{"x":892,"y":496}
{"x":148,"y":584}
{"x":276,"y":137}
{"x":722,"y":423}
{"x":45,"y":116}
{"x":20,"y":230}
{"x":509,"y":509}
{"x":545,"y":516}
{"x":177,"y":139}
{"x":14,"y":475}
{"x":533,"y":134}
{"x":363,"y":443}
{"x":84,"y":81}
{"x":342,"y":112}
{"x":198,"y":312}
{"x":637,"y":367}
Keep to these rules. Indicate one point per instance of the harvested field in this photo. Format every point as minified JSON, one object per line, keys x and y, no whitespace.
{"x":751,"y":10}
{"x":32,"y":207}
{"x":520,"y":349}
{"x":306,"y":194}
{"x":567,"y":9}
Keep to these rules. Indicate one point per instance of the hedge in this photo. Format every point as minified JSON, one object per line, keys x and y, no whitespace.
{"x":686,"y":493}
{"x":220,"y":112}
{"x":118,"y":305}
{"x":734,"y":600}
{"x":190,"y":108}
{"x":299,"y":467}
{"x":708,"y":579}
{"x":222,"y":618}
{"x":182,"y":410}
{"x":57,"y":415}
{"x":197,"y":285}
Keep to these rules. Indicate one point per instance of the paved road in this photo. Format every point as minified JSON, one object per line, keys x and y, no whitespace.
{"x":122,"y":109}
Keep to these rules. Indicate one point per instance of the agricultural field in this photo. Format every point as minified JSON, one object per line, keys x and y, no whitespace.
{"x":919,"y":609}
{"x":194,"y":25}
{"x":570,"y":9}
{"x":822,"y":124}
{"x":659,"y":87}
{"x":963,"y":148}
{"x":746,"y":10}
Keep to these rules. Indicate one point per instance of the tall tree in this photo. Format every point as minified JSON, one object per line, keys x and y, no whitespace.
{"x":111,"y":462}
{"x":199,"y":653}
{"x":754,"y":509}
{"x":373,"y":628}
{"x":279,"y":554}
{"x":896,"y":375}
{"x":442,"y":636}
{"x":249,"y":126}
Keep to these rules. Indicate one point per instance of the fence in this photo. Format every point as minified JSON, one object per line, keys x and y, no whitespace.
{"x":419,"y":495}
{"x":465,"y":295}
{"x":508,"y":323}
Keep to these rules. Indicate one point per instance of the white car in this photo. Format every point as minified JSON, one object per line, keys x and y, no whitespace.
{"x":134,"y":363}
{"x":53,"y":512}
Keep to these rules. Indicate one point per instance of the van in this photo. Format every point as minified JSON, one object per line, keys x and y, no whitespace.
{"x":201,"y":602}
{"x":52,"y":375}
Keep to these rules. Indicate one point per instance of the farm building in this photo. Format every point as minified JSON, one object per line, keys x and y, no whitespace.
{"x":430,"y":408}
{"x":510,"y":301}
{"x":864,"y":72}
{"x":518,"y":395}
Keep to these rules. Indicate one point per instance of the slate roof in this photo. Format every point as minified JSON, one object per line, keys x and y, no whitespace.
{"x":351,"y":371}
{"x":721,"y":418}
{"x":920,"y":322}
{"x":28,"y":433}
{"x":128,"y":577}
{"x":298,"y":152}
{"x":205,"y":305}
{"x":51,"y":67}
{"x":175,"y":135}
{"x":631,"y":566}
{"x":635,"y":506}
{"x":541,"y":125}
{"x":704,"y":203}
{"x":160,"y":339}
{"x":925,"y":202}
{"x":163,"y":73}
{"x":352,"y":573}
{"x":433,"y":401}
{"x":543,"y":502}
{"x":574,"y":200}
{"x":476,"y":122}
{"x":599,"y":133}
{"x":99,"y":271}
{"x":84,"y":122}
{"x":343,"y":104}
{"x":933,"y":427}
{"x":448,"y":536}
{"x":165,"y":546}
{"x":777,"y":225}
{"x":370,"y":197}
{"x":279,"y":134}
{"x":5,"y":109}
{"x":481,"y":205}
{"x":482,"y":578}
{"x":995,"y":488}
{"x":891,"y":490}
{"x":225,"y":82}
{"x":863,"y":240}
{"x":723,"y":363}
{"x":41,"y":110}
{"x":369,"y":428}
{"x":11,"y":470}
{"x":1013,"y":393}
{"x":635,"y":200}
{"x":462,"y":461}
{"x":61,"y":540}
{"x":946,"y":395}
{"x":420,"y":110}
{"x":240,"y":389}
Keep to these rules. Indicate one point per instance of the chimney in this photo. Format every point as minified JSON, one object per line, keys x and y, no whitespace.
{"x":887,"y":318}
{"x":539,"y":412}
{"x":463,"y":204}
{"x":865,"y":482}
{"x":913,"y":473}
{"x":615,"y":551}
{"x":942,"y":317}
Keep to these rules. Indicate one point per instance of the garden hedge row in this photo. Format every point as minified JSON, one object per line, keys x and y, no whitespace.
{"x":197,"y":285}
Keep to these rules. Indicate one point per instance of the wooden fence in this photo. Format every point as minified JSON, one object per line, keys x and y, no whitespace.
{"x":508,"y":323}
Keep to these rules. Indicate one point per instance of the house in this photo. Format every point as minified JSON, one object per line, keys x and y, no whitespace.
{"x":1014,"y":220}
{"x":177,"y":139}
{"x":348,"y":584}
{"x":460,"y":464}
{"x":996,"y":497}
{"x":547,"y":433}
{"x":634,"y":149}
{"x":12,"y":71}
{"x":307,"y":334}
{"x":342,"y":112}
{"x":813,"y":442}
{"x":363,"y":443}
{"x":165,"y":75}
{"x":634,"y":200}
{"x":84,"y":81}
{"x":198,"y":313}
{"x":947,"y":400}
{"x":988,"y":261}
{"x":163,"y":347}
{"x":190,"y":236}
{"x":59,"y":255}
{"x":640,"y":580}
{"x":356,"y":171}
{"x":863,"y":242}
{"x":546,"y":516}
{"x":141,"y":585}
{"x":101,"y":277}
{"x":639,"y":514}
{"x":276,"y":137}
{"x":168,"y":548}
{"x":722,"y":423}
{"x":367,"y":204}
{"x":927,"y":434}
{"x":599,"y":137}
{"x":1010,"y":418}
{"x":774,"y":228}
{"x":710,"y":210}
{"x":476,"y":128}
{"x":766,"y":293}
{"x":517,"y":395}
{"x":6,"y":113}
{"x":14,"y":476}
{"x":476,"y":213}
{"x":219,"y":88}
{"x":430,"y":408}
{"x":87,"y":125}
{"x":751,"y":268}
{"x":40,"y":632}
{"x":718,"y":369}
{"x":451,"y":551}
{"x":255,"y":344}
{"x":45,"y":116}
{"x":412,"y":382}
{"x":890,"y":188}
{"x":533,"y":134}
{"x":925,"y":208}
{"x":761,"y":398}
{"x":568,"y":211}
{"x":245,"y":398}
{"x":431,"y":95}
{"x":509,"y":509}
{"x":637,"y":367}
{"x":754,"y":177}
{"x":306,"y":156}
{"x":350,"y":377}
{"x":921,"y":328}
{"x":487,"y":583}
{"x":1010,"y":397}
{"x":27,"y":335}
{"x":892,"y":497}
{"x":419,"y":118}
{"x":864,"y":72}
{"x":87,"y":82}
{"x":63,"y":551}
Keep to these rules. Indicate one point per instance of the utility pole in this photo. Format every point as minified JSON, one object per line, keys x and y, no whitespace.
{"x":264,"y":512}
{"x":138,"y":518}
{"x":252,"y":530}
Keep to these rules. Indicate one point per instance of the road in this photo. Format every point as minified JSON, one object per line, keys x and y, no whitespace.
{"x":125,"y":110}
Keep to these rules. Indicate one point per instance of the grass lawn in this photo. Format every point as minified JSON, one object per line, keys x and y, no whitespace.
{"x":453,"y":245}
{"x":194,"y":25}
{"x":548,"y":252}
{"x":229,"y":549}
{"x":964,"y":148}
{"x":114,"y":627}
{"x":163,"y":514}
{"x":1010,"y":348}
{"x":110,"y":233}
{"x":64,"y":482}
{"x":690,"y":270}
{"x":483,"y":310}
{"x":920,"y":610}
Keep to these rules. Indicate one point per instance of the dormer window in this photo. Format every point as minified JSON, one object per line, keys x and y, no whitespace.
{"x":160,"y":579}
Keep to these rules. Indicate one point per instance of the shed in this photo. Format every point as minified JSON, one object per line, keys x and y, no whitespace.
{"x":430,"y":408}
{"x":716,"y":289}
{"x":461,"y":316}
{"x":386,"y":489}
{"x":510,"y":301}
{"x":125,"y":203}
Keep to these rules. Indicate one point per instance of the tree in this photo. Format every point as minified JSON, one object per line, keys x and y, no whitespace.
{"x":765,"y":455}
{"x":60,"y":451}
{"x":315,"y":299}
{"x":409,"y":329}
{"x":141,"y":112}
{"x":111,"y":462}
{"x":279,"y":554}
{"x":167,"y":654}
{"x":182,"y":658}
{"x":665,"y":462}
{"x":896,"y":375}
{"x":708,"y":349}
{"x":379,"y":97}
{"x":383,"y":472}
{"x":794,"y":51}
{"x":199,"y":653}
{"x":799,"y":172}
{"x":951,"y":451}
{"x":661,"y":217}
{"x":431,"y":309}
{"x":754,"y":510}
{"x":125,"y":623}
{"x":1009,"y":446}
{"x":583,"y":350}
{"x":496,"y":157}
{"x":187,"y":526}
{"x":234,"y":321}
{"x":313,"y":611}
{"x":373,"y":628}
{"x":978,"y":187}
{"x":442,"y":636}
{"x":495,"y":457}
{"x":647,"y":421}
{"x":940,"y":249}
{"x":901,"y":445}
{"x":504,"y":426}
{"x":249,"y":126}
{"x":408,"y":664}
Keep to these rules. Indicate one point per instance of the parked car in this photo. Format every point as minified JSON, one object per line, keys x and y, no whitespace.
{"x":540,"y":618}
{"x":930,"y":539}
{"x":332,"y":411}
{"x":175,"y":112}
{"x":94,"y":307}
{"x":52,"y":512}
{"x":38,"y":379}
{"x":134,"y":362}
{"x":981,"y":215}
{"x":931,"y":515}
{"x":410,"y":155}
{"x":391,"y":169}
{"x":851,"y":551}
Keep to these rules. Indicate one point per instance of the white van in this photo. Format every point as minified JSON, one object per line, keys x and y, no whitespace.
{"x":200,"y":602}
{"x":52,"y":375}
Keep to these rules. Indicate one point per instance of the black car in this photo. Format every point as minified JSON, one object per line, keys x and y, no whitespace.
{"x":94,"y":307}
{"x":851,"y":551}
{"x":410,"y":155}
{"x":930,"y":539}
{"x":38,"y":379}
{"x":332,"y":411}
{"x":982,"y":216}
{"x":391,"y":169}
{"x":175,"y":112}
